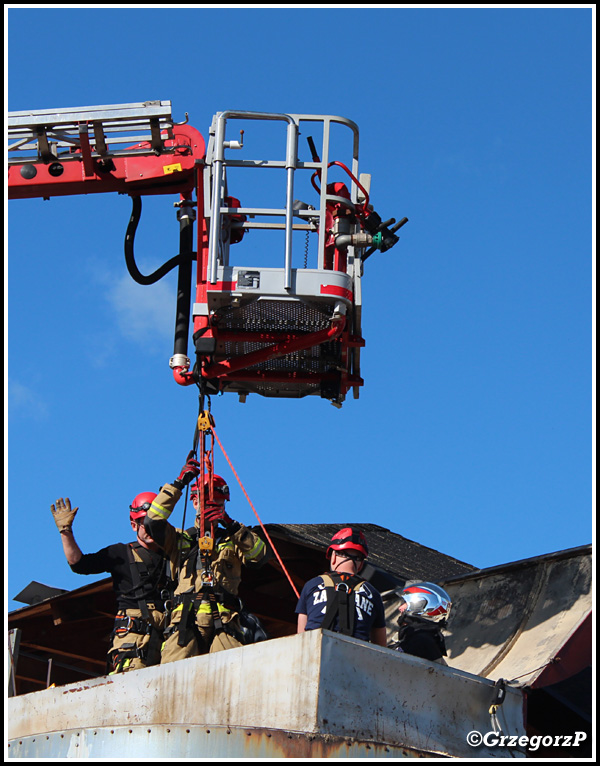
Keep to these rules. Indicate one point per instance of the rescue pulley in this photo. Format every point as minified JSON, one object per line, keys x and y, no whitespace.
{"x":205,"y":421}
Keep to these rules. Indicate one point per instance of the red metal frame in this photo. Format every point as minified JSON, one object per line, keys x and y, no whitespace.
{"x":298,"y":343}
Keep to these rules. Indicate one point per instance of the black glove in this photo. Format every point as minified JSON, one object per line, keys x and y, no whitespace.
{"x":190,"y":471}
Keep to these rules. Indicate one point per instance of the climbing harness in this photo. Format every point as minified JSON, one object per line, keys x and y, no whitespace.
{"x":341,"y":589}
{"x":120,"y":657}
{"x":140,"y":573}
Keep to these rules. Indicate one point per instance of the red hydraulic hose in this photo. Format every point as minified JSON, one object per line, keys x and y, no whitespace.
{"x":183,"y":376}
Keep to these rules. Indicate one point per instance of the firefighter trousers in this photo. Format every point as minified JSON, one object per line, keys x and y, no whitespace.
{"x":136,"y":642}
{"x":200,"y":637}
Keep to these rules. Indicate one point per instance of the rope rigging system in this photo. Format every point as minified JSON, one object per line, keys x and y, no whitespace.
{"x":205,"y":436}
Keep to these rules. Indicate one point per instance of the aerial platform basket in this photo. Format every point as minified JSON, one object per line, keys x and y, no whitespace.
{"x":285,"y":330}
{"x":277,"y":304}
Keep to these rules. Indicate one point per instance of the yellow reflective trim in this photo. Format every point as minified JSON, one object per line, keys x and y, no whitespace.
{"x":159,"y":510}
{"x":185,"y":544}
{"x":227,"y":544}
{"x":258,"y":548}
{"x":205,"y":608}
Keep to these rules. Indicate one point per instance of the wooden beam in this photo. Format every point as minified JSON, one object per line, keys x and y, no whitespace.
{"x":52,"y":650}
{"x":31,"y":680}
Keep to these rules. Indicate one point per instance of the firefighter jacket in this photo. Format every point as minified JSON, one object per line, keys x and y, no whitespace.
{"x":189,"y":566}
{"x":421,"y":638}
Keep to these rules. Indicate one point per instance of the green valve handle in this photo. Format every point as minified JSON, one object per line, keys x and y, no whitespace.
{"x":378,"y":240}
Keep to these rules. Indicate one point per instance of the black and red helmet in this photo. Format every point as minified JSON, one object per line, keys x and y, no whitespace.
{"x":348,"y":539}
{"x":141,"y":505}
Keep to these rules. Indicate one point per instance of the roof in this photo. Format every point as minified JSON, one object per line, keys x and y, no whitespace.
{"x":527,"y":621}
{"x":404,"y":559}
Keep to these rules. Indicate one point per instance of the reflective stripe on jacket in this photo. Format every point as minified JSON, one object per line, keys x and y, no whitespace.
{"x":225,"y":559}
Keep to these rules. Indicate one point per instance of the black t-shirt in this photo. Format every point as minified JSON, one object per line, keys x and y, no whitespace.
{"x":115,"y":560}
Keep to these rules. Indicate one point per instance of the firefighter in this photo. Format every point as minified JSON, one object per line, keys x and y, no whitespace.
{"x":424,"y":610}
{"x":139,"y":578}
{"x":207,"y":614}
{"x":340,"y":600}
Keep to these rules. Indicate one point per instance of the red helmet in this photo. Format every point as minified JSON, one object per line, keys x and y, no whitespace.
{"x":348,"y":539}
{"x":339,"y":189}
{"x":141,"y":505}
{"x":219,"y":486}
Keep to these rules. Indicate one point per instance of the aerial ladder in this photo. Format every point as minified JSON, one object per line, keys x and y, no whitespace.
{"x":288,"y":329}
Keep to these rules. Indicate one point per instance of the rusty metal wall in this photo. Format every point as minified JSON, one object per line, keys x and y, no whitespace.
{"x":310,"y":693}
{"x":133,"y":743}
{"x":401,"y":699}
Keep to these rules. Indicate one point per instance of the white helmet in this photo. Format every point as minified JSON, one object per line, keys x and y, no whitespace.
{"x":427,"y":600}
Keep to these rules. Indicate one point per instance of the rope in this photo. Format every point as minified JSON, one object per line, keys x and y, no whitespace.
{"x":545,"y":665}
{"x":196,"y":439}
{"x":256,"y":514}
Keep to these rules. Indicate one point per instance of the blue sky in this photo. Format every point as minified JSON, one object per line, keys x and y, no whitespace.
{"x":473,"y":432}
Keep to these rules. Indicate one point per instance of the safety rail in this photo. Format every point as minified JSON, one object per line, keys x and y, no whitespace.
{"x":314,"y":220}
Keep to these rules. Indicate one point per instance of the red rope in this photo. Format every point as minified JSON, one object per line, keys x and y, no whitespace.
{"x":256,"y":514}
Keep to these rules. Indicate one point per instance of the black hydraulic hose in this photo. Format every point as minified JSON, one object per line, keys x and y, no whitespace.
{"x":184,"y":284}
{"x":132,"y":268}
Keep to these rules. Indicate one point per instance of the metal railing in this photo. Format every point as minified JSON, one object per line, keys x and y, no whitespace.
{"x":217,"y":163}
